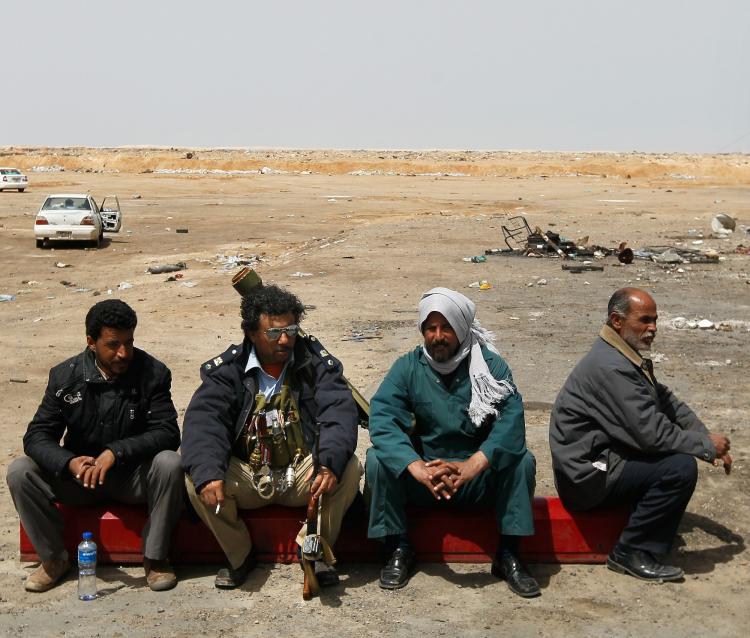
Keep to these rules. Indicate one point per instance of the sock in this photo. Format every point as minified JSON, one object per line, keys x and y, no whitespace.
{"x":508,"y":546}
{"x":396,"y":541}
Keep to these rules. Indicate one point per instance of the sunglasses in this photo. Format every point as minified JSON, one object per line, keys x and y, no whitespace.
{"x":274,"y":334}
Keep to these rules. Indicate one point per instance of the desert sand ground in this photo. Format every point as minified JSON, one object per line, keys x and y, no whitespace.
{"x":359,"y":235}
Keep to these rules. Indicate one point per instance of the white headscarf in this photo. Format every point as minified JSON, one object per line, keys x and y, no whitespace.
{"x":459,"y":310}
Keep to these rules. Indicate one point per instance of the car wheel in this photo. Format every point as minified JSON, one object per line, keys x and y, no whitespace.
{"x":40,"y":243}
{"x":21,"y":190}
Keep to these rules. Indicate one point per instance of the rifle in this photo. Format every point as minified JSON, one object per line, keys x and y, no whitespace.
{"x":312,"y":547}
{"x":311,"y":550}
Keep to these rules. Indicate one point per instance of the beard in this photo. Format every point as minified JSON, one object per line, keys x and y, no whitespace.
{"x":440,"y":351}
{"x":639,"y":342}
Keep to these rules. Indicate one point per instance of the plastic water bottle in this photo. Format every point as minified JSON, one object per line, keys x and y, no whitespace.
{"x":87,"y":568}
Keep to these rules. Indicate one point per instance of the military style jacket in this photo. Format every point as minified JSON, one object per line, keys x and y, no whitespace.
{"x":134,"y":416}
{"x":221,"y":405}
{"x":414,"y":415}
{"x":611,"y":408}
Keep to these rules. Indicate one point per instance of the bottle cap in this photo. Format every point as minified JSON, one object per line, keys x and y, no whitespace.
{"x":87,"y":536}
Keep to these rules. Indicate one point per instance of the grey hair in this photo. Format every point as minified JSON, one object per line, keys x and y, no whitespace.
{"x":619,"y":304}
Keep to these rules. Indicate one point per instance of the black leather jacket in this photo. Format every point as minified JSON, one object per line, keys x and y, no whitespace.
{"x":134,"y":416}
{"x":226,"y":396}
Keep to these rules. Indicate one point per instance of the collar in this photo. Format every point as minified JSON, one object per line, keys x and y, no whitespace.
{"x":91,"y":371}
{"x":610,"y":336}
{"x":254,"y":364}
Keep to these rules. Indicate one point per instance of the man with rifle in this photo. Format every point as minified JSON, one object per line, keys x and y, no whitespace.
{"x":273,"y":421}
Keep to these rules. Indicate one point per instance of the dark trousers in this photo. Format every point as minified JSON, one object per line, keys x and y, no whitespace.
{"x":158,"y":482}
{"x":510,"y":491}
{"x":658,"y":490}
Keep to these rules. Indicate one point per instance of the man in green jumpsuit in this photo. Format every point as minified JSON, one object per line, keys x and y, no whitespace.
{"x":447,"y":428}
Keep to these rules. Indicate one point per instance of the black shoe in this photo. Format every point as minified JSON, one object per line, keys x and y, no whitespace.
{"x":326,"y":574}
{"x":398,"y":569}
{"x":641,"y":564}
{"x":513,"y":572}
{"x":228,"y":578}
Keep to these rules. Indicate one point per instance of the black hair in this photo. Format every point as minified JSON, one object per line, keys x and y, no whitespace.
{"x":270,"y":300}
{"x":110,"y":313}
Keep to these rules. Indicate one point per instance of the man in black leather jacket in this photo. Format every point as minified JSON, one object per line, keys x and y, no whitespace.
{"x":112,"y":406}
{"x":290,"y":374}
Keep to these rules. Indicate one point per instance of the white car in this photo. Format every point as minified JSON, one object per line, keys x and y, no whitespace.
{"x":76,"y":217}
{"x":12,"y":178}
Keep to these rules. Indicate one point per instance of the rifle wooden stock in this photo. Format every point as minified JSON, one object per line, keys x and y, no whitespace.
{"x":310,"y":586}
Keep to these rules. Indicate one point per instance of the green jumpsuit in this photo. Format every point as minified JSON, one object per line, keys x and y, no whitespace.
{"x":414,"y":415}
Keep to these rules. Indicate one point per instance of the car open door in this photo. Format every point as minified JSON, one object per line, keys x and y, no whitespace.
{"x":111,"y":214}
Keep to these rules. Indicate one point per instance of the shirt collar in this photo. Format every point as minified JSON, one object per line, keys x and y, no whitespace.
{"x":254,"y":363}
{"x":611,"y":336}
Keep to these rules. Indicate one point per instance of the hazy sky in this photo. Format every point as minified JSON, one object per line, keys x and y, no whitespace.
{"x":646,"y":75}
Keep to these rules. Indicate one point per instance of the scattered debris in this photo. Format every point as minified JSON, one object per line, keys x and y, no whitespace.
{"x":60,"y":264}
{"x":625,"y":254}
{"x":521,"y":240}
{"x":727,"y":325}
{"x":135,"y":196}
{"x":181,"y":230}
{"x":476,"y":259}
{"x":189,"y":284}
{"x":714,"y":364}
{"x":7,"y":297}
{"x":669,"y":256}
{"x":673,"y":255}
{"x":158,"y":270}
{"x":18,"y":380}
{"x":301,"y":274}
{"x":124,"y":285}
{"x":576,"y":269}
{"x":722,"y":225}
{"x":358,"y":336}
{"x":179,"y":275}
{"x":482,"y":285}
{"x":517,"y":231}
{"x":232,"y":261}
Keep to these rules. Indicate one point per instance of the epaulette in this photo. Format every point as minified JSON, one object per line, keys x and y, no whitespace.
{"x":315,"y":347}
{"x":231,"y":353}
{"x":363,"y":407}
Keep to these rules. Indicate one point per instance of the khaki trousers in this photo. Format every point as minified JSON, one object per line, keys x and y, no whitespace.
{"x":231,"y":532}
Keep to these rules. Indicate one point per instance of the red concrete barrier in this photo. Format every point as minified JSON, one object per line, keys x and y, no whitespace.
{"x":458,"y":535}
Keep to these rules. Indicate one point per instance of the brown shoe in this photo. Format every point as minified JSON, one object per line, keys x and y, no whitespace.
{"x":47,"y":575}
{"x":159,"y":574}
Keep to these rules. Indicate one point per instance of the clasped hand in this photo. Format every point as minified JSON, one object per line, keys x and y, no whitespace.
{"x":90,"y":471}
{"x":444,"y":478}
